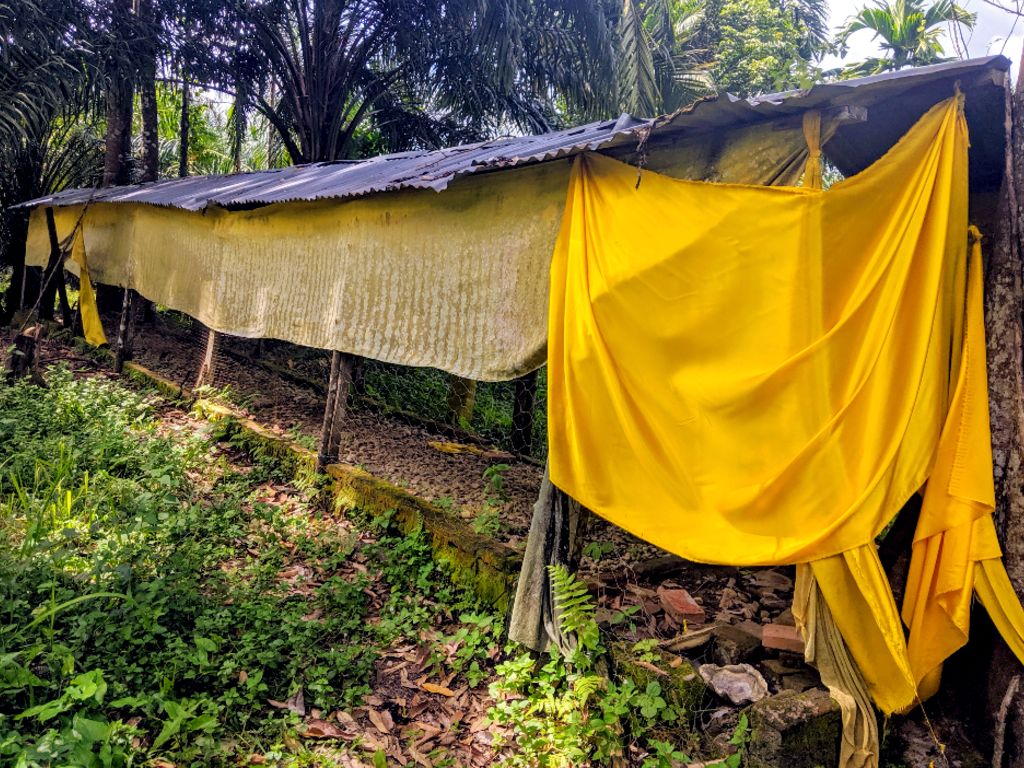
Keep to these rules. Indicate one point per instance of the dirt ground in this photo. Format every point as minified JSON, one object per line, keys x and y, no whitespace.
{"x":624,"y":572}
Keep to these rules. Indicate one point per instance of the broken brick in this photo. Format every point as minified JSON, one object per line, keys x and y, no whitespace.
{"x":679,"y":605}
{"x":783,"y":638}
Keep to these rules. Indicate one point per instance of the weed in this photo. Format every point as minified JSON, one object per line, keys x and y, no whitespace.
{"x":564,"y":710}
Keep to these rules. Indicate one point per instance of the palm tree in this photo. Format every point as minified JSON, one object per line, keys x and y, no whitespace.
{"x":420,"y":73}
{"x":908,"y":31}
{"x":659,"y":69}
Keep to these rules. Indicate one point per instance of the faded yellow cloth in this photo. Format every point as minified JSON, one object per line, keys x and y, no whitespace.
{"x":91,"y":325}
{"x":826,"y":650}
{"x":755,"y":376}
{"x":455,"y":280}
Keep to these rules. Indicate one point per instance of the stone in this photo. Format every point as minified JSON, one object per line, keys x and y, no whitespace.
{"x":739,"y":683}
{"x":735,"y":644}
{"x":751,"y":628}
{"x":786,"y":617}
{"x":794,"y":730}
{"x":681,"y":606}
{"x":772,"y":580}
{"x":783,"y":638}
{"x":681,"y":685}
{"x":799,"y":682}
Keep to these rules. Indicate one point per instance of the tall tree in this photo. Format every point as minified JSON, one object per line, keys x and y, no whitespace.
{"x":436,"y":72}
{"x":120,"y":70}
{"x":659,"y":67}
{"x":908,"y":31}
{"x":759,"y":46}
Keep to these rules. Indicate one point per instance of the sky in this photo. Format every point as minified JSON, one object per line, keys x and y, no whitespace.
{"x":994,"y":32}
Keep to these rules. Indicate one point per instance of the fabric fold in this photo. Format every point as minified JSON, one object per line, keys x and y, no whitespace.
{"x":755,"y":375}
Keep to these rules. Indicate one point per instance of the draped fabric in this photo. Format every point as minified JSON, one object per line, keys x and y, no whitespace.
{"x":761,"y":375}
{"x":456,"y":280}
{"x":92,"y":328}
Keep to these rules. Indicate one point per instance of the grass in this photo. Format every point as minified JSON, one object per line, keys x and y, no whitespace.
{"x":158,"y":593}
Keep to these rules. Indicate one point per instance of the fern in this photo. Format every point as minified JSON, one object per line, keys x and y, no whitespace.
{"x":576,"y":608}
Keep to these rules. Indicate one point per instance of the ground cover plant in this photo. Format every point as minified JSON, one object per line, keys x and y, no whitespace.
{"x":168,"y":600}
{"x":157,"y":595}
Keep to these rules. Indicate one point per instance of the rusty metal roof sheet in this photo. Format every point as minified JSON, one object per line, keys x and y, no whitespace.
{"x":894,"y":101}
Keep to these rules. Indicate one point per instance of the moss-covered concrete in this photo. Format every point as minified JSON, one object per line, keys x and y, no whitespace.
{"x":294,"y":459}
{"x":151,"y":379}
{"x":478,"y":562}
{"x":794,"y":730}
{"x":682,"y":687}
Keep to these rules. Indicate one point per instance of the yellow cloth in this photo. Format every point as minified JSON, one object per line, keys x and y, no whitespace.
{"x":755,"y":376}
{"x":91,"y":325}
{"x":826,"y":650}
{"x":455,"y":280}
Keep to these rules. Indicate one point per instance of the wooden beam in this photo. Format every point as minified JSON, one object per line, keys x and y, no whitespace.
{"x":206,"y":375}
{"x":523,"y":404}
{"x":338,"y":387}
{"x":53,"y":280}
{"x":125,"y":330}
{"x":461,"y":400}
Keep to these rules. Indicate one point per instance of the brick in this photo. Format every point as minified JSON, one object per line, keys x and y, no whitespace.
{"x":681,"y":606}
{"x":783,"y":638}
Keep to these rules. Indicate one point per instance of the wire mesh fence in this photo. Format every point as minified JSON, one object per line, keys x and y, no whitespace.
{"x":476,"y":447}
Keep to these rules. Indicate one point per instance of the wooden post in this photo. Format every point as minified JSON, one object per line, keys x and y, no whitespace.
{"x":53,"y":279}
{"x":125,"y":331}
{"x":335,"y":408}
{"x":523,"y":402}
{"x":205,"y":377}
{"x":461,"y":400}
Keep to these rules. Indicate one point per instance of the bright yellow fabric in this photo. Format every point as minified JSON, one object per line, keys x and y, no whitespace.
{"x":955,"y":528}
{"x":752,"y":375}
{"x":91,"y":325}
{"x":456,"y":280}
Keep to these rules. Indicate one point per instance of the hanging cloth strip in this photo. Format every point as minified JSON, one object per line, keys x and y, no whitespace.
{"x":92,"y":328}
{"x":756,"y":376}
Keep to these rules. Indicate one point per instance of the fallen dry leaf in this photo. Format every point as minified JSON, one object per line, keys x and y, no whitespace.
{"x":322,"y":729}
{"x":382,"y":720}
{"x":439,"y":689}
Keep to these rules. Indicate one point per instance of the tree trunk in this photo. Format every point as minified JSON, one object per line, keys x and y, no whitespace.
{"x":338,"y":387}
{"x":17,"y":289}
{"x":461,"y":400}
{"x":139,"y":305}
{"x":147,"y":98}
{"x":1004,"y":304}
{"x":184,"y":128}
{"x":117,"y":155}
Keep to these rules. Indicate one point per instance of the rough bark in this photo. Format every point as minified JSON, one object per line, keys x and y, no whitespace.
{"x":338,"y":389}
{"x":147,"y":97}
{"x":184,"y":128}
{"x":523,"y":404}
{"x":1004,"y":304}
{"x":206,"y":375}
{"x":119,"y":91}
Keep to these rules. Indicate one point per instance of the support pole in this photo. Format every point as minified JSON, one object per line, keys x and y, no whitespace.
{"x":205,"y":377}
{"x":125,"y":330}
{"x":334,"y":410}
{"x":461,"y":400}
{"x":53,"y":282}
{"x":523,"y":402}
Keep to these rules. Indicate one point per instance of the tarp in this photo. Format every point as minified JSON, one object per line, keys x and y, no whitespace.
{"x":763,"y":375}
{"x":456,"y":280}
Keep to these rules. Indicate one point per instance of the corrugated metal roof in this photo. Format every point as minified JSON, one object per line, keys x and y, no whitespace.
{"x":894,"y":101}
